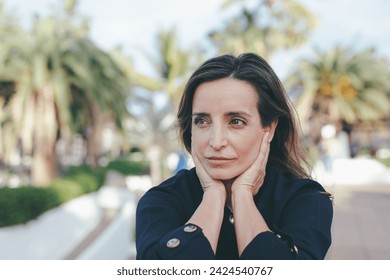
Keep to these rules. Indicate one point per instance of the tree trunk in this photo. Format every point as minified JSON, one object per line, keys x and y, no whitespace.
{"x":44,"y":168}
{"x":94,"y":135}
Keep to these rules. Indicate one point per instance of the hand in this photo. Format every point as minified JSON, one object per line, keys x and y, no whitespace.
{"x":252,"y":179}
{"x":205,"y":179}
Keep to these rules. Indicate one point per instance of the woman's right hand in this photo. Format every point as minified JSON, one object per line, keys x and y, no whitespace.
{"x":205,"y":179}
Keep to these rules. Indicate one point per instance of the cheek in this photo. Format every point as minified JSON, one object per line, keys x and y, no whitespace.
{"x":198,"y":140}
{"x":250,"y":147}
{"x":246,"y":159}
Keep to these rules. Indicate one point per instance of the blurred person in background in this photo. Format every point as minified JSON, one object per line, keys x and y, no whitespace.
{"x":249,"y":195}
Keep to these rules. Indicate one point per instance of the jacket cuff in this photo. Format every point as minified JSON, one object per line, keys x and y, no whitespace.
{"x":186,"y":242}
{"x":270,"y":246}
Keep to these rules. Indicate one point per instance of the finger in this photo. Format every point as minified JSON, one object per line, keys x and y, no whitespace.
{"x":264,"y":150}
{"x":262,"y":155}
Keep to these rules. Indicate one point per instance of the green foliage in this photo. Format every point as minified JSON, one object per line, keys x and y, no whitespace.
{"x":61,"y":80}
{"x":263,"y":27}
{"x":26,"y":203}
{"x":20,"y":205}
{"x":87,"y":175}
{"x":343,"y":84}
{"x":385,"y":161}
{"x":23,"y":204}
{"x":127,"y":167}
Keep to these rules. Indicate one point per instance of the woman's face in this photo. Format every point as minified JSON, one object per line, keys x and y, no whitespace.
{"x":226,"y":127}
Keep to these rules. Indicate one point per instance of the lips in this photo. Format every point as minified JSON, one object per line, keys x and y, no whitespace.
{"x":218,"y":161}
{"x":218,"y":158}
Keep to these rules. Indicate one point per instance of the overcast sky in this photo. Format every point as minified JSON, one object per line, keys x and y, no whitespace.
{"x":133,"y":23}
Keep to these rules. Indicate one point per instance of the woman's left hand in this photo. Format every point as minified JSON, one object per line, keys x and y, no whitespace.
{"x":252,"y":179}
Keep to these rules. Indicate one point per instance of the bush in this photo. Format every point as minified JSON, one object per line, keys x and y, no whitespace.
{"x":67,"y":189}
{"x":127,"y":167}
{"x":23,"y":204}
{"x":385,"y":161}
{"x":98,"y":174}
{"x":78,"y":181}
{"x":26,"y":203}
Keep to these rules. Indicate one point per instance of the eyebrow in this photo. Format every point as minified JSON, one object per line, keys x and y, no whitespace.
{"x":229,"y":114}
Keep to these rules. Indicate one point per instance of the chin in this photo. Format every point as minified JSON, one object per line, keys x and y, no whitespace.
{"x":223,"y":173}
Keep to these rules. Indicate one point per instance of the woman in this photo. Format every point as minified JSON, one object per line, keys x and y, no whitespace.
{"x":248,"y":196}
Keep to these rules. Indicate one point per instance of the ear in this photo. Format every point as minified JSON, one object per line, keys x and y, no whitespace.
{"x":271,"y":129}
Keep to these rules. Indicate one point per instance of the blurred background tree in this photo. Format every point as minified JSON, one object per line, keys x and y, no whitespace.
{"x":60,"y":78}
{"x":341,"y":86}
{"x":171,"y":64}
{"x":155,"y":99}
{"x":263,"y":27}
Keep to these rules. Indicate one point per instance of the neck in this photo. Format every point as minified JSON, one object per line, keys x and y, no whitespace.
{"x":228,"y":186}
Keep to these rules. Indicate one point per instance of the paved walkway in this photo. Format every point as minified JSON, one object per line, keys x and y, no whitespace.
{"x":107,"y":218}
{"x":361,"y":224}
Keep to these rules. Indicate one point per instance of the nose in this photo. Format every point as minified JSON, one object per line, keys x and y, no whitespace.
{"x":218,"y":137}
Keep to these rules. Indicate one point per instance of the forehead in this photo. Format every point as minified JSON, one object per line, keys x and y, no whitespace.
{"x":226,"y":94}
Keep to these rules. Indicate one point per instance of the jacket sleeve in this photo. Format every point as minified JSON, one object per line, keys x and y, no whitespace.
{"x":161,"y":232}
{"x":303,"y":233}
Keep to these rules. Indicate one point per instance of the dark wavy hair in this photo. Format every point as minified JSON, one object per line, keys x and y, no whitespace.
{"x":286,"y":151}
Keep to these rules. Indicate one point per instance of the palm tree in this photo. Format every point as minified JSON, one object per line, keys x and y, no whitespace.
{"x":340,"y":85}
{"x":8,"y":27}
{"x":53,"y":67}
{"x":12,"y":36}
{"x":264,"y":28}
{"x":152,"y":126}
{"x":99,"y":91}
{"x":172,"y":65}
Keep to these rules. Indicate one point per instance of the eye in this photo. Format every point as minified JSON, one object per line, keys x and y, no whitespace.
{"x":237,"y":122}
{"x":200,"y":122}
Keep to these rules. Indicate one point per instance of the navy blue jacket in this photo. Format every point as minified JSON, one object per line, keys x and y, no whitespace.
{"x":296,"y":210}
